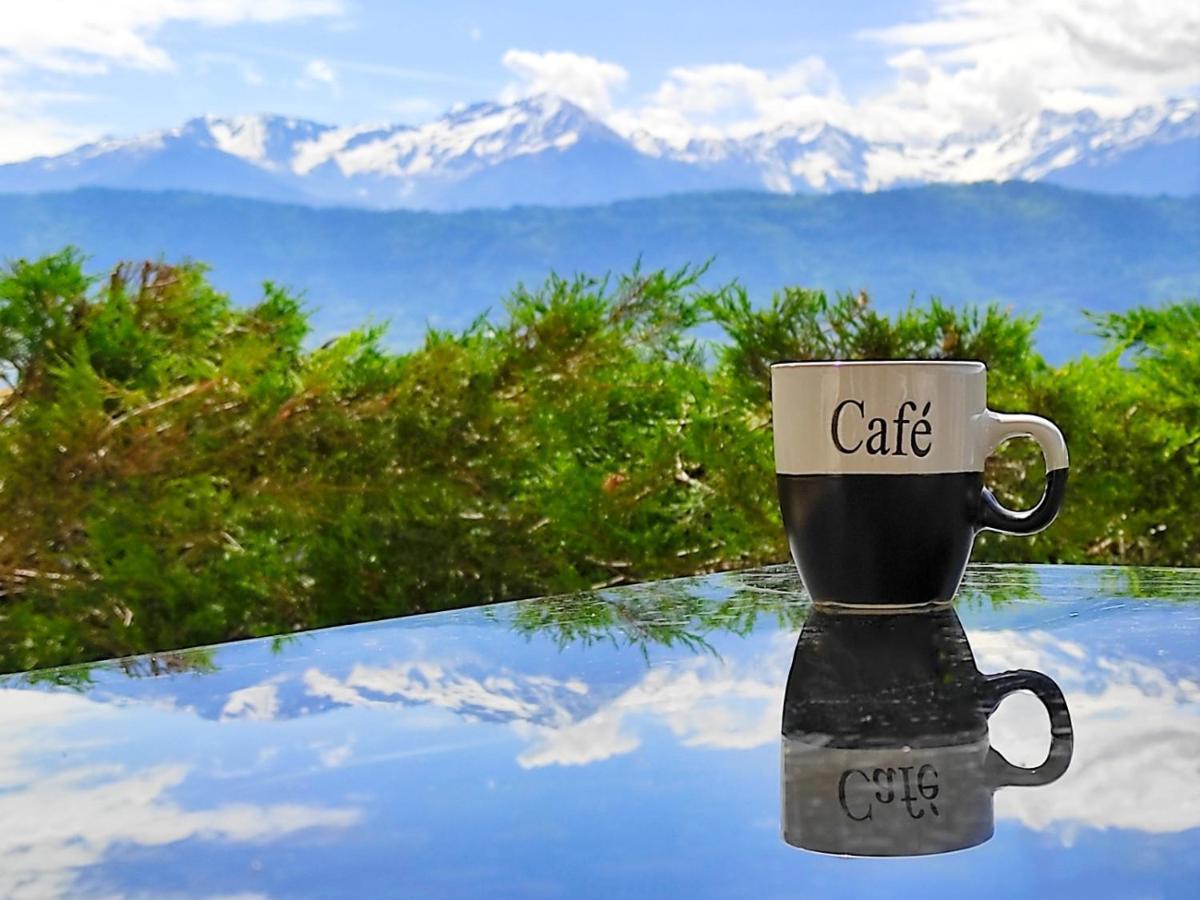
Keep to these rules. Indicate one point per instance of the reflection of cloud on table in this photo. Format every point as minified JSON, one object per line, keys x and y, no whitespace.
{"x":259,"y":702}
{"x":703,"y":702}
{"x":331,"y":756}
{"x":594,"y":738}
{"x":59,"y":821}
{"x":1137,"y":739}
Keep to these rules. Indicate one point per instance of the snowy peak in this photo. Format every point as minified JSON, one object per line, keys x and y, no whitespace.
{"x":545,"y":149}
{"x":266,"y":141}
{"x":461,"y":142}
{"x":1054,"y":145}
{"x":814,"y":157}
{"x":260,"y":139}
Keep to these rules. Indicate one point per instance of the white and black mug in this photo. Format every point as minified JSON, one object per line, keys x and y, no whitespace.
{"x":879,"y":467}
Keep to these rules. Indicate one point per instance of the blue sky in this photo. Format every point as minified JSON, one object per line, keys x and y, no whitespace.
{"x":73,"y":70}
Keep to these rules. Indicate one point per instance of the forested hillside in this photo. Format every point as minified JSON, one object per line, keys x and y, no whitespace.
{"x":1035,"y":248}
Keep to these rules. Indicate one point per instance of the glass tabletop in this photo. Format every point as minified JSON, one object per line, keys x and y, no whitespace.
{"x":710,"y":736}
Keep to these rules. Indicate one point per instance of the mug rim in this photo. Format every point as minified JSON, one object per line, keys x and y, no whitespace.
{"x":969,"y":364}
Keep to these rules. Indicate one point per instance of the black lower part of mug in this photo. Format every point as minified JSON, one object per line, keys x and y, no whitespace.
{"x":881,"y":539}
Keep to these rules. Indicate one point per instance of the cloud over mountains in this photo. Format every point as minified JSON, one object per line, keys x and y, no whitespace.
{"x":972,"y":67}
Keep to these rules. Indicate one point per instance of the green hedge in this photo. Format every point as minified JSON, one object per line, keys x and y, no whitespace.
{"x":175,"y":470}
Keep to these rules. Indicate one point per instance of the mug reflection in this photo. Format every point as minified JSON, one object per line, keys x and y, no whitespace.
{"x":885,"y":746}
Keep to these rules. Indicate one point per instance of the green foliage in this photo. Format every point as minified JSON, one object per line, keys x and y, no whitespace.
{"x":1132,"y":420}
{"x":800,"y":324}
{"x":176,"y":470}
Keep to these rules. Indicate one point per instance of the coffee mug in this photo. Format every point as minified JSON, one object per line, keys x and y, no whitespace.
{"x":879,"y":467}
{"x":885,"y":746}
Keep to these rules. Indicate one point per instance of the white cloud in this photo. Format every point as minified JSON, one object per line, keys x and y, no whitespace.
{"x":972,"y":66}
{"x":82,"y":35}
{"x":584,"y":80}
{"x":317,"y":70}
{"x":981,"y":64}
{"x":86,"y":37}
{"x":33,"y":133}
{"x":736,"y":100}
{"x":26,"y":129}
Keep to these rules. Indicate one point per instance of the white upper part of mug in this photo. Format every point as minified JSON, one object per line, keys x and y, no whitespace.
{"x":880,"y":417}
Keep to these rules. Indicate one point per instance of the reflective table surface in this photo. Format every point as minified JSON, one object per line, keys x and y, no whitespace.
{"x":672,"y":739}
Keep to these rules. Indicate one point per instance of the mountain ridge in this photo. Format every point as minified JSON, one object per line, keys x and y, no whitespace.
{"x":547,"y":150}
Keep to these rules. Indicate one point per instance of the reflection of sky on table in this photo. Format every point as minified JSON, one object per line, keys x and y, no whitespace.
{"x":452,"y":754}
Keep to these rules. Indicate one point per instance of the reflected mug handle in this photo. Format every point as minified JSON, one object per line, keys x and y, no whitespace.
{"x":1002,"y":773}
{"x":1000,"y":428}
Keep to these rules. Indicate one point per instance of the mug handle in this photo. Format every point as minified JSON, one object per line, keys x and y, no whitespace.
{"x":1002,"y":773}
{"x":1001,"y":427}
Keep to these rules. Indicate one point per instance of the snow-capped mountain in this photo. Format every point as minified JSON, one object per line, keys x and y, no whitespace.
{"x":546,"y":150}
